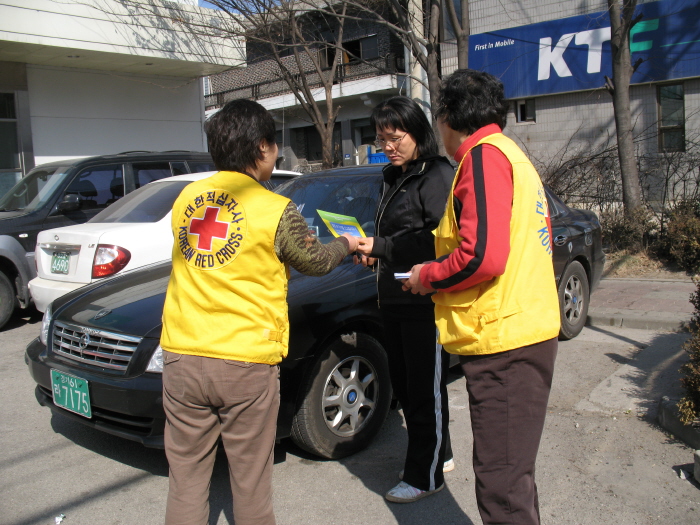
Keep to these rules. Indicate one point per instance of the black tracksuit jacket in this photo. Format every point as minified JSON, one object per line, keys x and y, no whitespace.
{"x":410,"y":208}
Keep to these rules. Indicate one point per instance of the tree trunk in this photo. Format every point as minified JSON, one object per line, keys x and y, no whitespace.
{"x":463,"y":37}
{"x":621,"y":24}
{"x":433,"y":69}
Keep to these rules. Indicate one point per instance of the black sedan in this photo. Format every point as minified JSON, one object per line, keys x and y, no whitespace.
{"x":103,"y":363}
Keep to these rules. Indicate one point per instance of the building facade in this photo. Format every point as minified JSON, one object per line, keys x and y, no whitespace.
{"x":95,"y":77}
{"x":553,"y":58}
{"x":370,"y":69}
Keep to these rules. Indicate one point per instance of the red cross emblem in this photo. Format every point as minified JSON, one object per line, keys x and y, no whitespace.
{"x":207,"y":228}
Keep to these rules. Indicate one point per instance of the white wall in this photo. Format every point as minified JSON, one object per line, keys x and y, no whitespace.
{"x":76,"y":113}
{"x":107,"y":35}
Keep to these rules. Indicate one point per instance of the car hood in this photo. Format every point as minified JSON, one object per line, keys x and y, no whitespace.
{"x":133,"y":302}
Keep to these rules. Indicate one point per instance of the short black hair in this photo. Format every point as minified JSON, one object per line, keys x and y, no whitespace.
{"x":470,"y":100}
{"x":405,"y":114}
{"x":235,"y":133}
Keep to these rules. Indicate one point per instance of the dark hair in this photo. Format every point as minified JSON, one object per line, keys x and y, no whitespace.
{"x":470,"y":100}
{"x":235,"y":132}
{"x":405,"y":114}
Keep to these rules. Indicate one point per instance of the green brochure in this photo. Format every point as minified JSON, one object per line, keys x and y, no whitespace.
{"x":339,"y":224}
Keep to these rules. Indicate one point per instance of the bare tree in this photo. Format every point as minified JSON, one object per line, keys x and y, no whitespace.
{"x":621,"y":21}
{"x":421,"y":26}
{"x":303,"y":39}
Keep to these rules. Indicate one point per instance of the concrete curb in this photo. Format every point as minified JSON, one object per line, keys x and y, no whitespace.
{"x":645,"y":320}
{"x":670,"y":420}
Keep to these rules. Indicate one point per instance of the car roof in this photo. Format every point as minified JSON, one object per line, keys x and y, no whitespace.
{"x":130,"y":156}
{"x":364,"y":169}
{"x":191,"y":177}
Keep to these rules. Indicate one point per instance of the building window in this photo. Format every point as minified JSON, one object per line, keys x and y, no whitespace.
{"x":671,"y":118}
{"x":326,"y":57}
{"x":525,"y":110}
{"x":10,"y":162}
{"x":362,"y":49}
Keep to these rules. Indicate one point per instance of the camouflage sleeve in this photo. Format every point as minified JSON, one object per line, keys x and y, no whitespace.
{"x":303,"y":251}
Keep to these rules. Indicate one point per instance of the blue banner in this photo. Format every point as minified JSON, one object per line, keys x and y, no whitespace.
{"x":574,"y":54}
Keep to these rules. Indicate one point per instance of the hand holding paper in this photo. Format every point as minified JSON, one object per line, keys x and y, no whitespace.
{"x":414,"y":283}
{"x":339,"y":224}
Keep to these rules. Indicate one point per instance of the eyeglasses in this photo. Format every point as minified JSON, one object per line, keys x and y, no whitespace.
{"x":394,"y":143}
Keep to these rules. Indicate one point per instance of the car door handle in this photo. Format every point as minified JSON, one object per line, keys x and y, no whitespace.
{"x":560,"y":240}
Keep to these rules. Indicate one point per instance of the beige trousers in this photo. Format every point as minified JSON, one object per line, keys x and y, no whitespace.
{"x":205,"y":399}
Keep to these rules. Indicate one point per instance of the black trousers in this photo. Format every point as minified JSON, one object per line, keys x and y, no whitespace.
{"x":419,"y":370}
{"x":508,"y":394}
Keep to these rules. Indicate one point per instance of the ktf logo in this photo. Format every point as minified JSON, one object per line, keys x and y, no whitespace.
{"x":553,"y":57}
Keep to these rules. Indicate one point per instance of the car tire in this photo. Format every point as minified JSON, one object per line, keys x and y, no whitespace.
{"x":574,"y":296}
{"x":346,"y":398}
{"x":7,"y":299}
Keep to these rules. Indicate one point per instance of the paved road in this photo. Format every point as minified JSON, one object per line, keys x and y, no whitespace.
{"x":603,"y":459}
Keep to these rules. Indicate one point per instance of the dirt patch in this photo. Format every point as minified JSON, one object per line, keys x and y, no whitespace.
{"x":635,"y":265}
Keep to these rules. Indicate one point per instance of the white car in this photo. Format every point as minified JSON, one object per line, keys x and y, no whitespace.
{"x":131,"y":233}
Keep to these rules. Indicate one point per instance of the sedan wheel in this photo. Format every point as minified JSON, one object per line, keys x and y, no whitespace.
{"x":347,"y":398}
{"x":574,"y":296}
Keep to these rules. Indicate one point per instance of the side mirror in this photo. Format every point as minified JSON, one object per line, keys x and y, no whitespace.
{"x":70,"y":202}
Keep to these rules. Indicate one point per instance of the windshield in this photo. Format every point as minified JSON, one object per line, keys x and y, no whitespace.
{"x":34,"y":190}
{"x":150,"y":203}
{"x":355,"y":196}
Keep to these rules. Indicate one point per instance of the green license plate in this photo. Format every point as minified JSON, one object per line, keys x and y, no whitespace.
{"x":60,"y":262}
{"x":71,"y":393}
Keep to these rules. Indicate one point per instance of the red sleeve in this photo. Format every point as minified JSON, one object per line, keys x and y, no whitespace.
{"x":485,"y":191}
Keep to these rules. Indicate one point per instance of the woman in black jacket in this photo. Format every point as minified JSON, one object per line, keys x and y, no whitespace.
{"x":414,"y":193}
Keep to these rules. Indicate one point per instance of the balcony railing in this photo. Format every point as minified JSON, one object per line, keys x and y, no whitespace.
{"x":390,"y":64}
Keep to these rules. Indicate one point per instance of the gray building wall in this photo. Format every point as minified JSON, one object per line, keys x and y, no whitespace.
{"x":569,"y":124}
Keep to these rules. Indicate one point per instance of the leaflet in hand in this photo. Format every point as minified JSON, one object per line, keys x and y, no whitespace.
{"x":340,"y":224}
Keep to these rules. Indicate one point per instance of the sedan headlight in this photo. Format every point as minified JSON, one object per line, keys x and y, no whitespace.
{"x":156,"y":363}
{"x":45,"y":322}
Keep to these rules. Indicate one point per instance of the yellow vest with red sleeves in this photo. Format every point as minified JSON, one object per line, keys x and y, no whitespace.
{"x":520,"y":307}
{"x":227,"y":294}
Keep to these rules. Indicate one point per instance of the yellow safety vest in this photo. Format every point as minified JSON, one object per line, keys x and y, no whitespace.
{"x":227,"y":295}
{"x":520,"y":307}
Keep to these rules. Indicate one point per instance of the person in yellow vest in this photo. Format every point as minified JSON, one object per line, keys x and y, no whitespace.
{"x":225,"y":324}
{"x":494,"y":290}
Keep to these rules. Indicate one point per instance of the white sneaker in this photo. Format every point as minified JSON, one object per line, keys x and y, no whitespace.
{"x":448,"y":466}
{"x":405,"y":493}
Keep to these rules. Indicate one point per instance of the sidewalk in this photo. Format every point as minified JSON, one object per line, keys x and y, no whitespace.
{"x":642,"y":303}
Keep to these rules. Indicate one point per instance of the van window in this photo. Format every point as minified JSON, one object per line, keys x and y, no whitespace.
{"x":33,"y":191}
{"x":199,"y":166}
{"x":96,"y":186}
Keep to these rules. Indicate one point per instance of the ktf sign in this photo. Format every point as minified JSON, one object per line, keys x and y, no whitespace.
{"x":574,"y":54}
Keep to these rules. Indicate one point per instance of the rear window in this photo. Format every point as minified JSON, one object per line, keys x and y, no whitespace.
{"x":145,"y":172}
{"x":556,"y":206}
{"x":148,"y":204}
{"x":356,"y":196}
